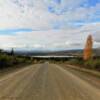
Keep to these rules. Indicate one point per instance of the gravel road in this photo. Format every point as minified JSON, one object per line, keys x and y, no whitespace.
{"x":46,"y":82}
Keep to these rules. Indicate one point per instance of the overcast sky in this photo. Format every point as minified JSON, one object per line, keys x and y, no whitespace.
{"x":48,"y":24}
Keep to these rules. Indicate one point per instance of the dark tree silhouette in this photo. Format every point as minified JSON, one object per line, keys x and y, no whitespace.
{"x":12,"y":52}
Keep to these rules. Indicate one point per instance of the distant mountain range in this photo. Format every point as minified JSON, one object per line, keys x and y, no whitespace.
{"x":77,"y":52}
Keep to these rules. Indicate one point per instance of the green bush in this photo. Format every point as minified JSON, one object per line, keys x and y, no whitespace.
{"x":12,"y":60}
{"x":76,"y":61}
{"x":92,"y":63}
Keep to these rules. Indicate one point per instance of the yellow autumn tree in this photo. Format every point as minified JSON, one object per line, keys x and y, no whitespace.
{"x":88,"y":48}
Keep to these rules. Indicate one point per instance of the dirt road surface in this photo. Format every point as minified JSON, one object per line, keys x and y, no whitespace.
{"x":46,"y":82}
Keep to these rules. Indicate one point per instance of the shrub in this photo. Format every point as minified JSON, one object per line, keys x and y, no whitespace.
{"x":93,"y":64}
{"x":76,"y":61}
{"x":12,"y":60}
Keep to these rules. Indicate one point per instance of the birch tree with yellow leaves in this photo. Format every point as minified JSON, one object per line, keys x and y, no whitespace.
{"x":88,"y":48}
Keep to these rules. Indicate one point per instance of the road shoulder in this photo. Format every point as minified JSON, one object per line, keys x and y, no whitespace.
{"x":92,"y":77}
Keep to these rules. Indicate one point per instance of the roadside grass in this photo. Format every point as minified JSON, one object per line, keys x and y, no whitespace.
{"x":89,"y":64}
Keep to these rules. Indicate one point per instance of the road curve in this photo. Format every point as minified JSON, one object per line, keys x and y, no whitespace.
{"x":46,"y":82}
